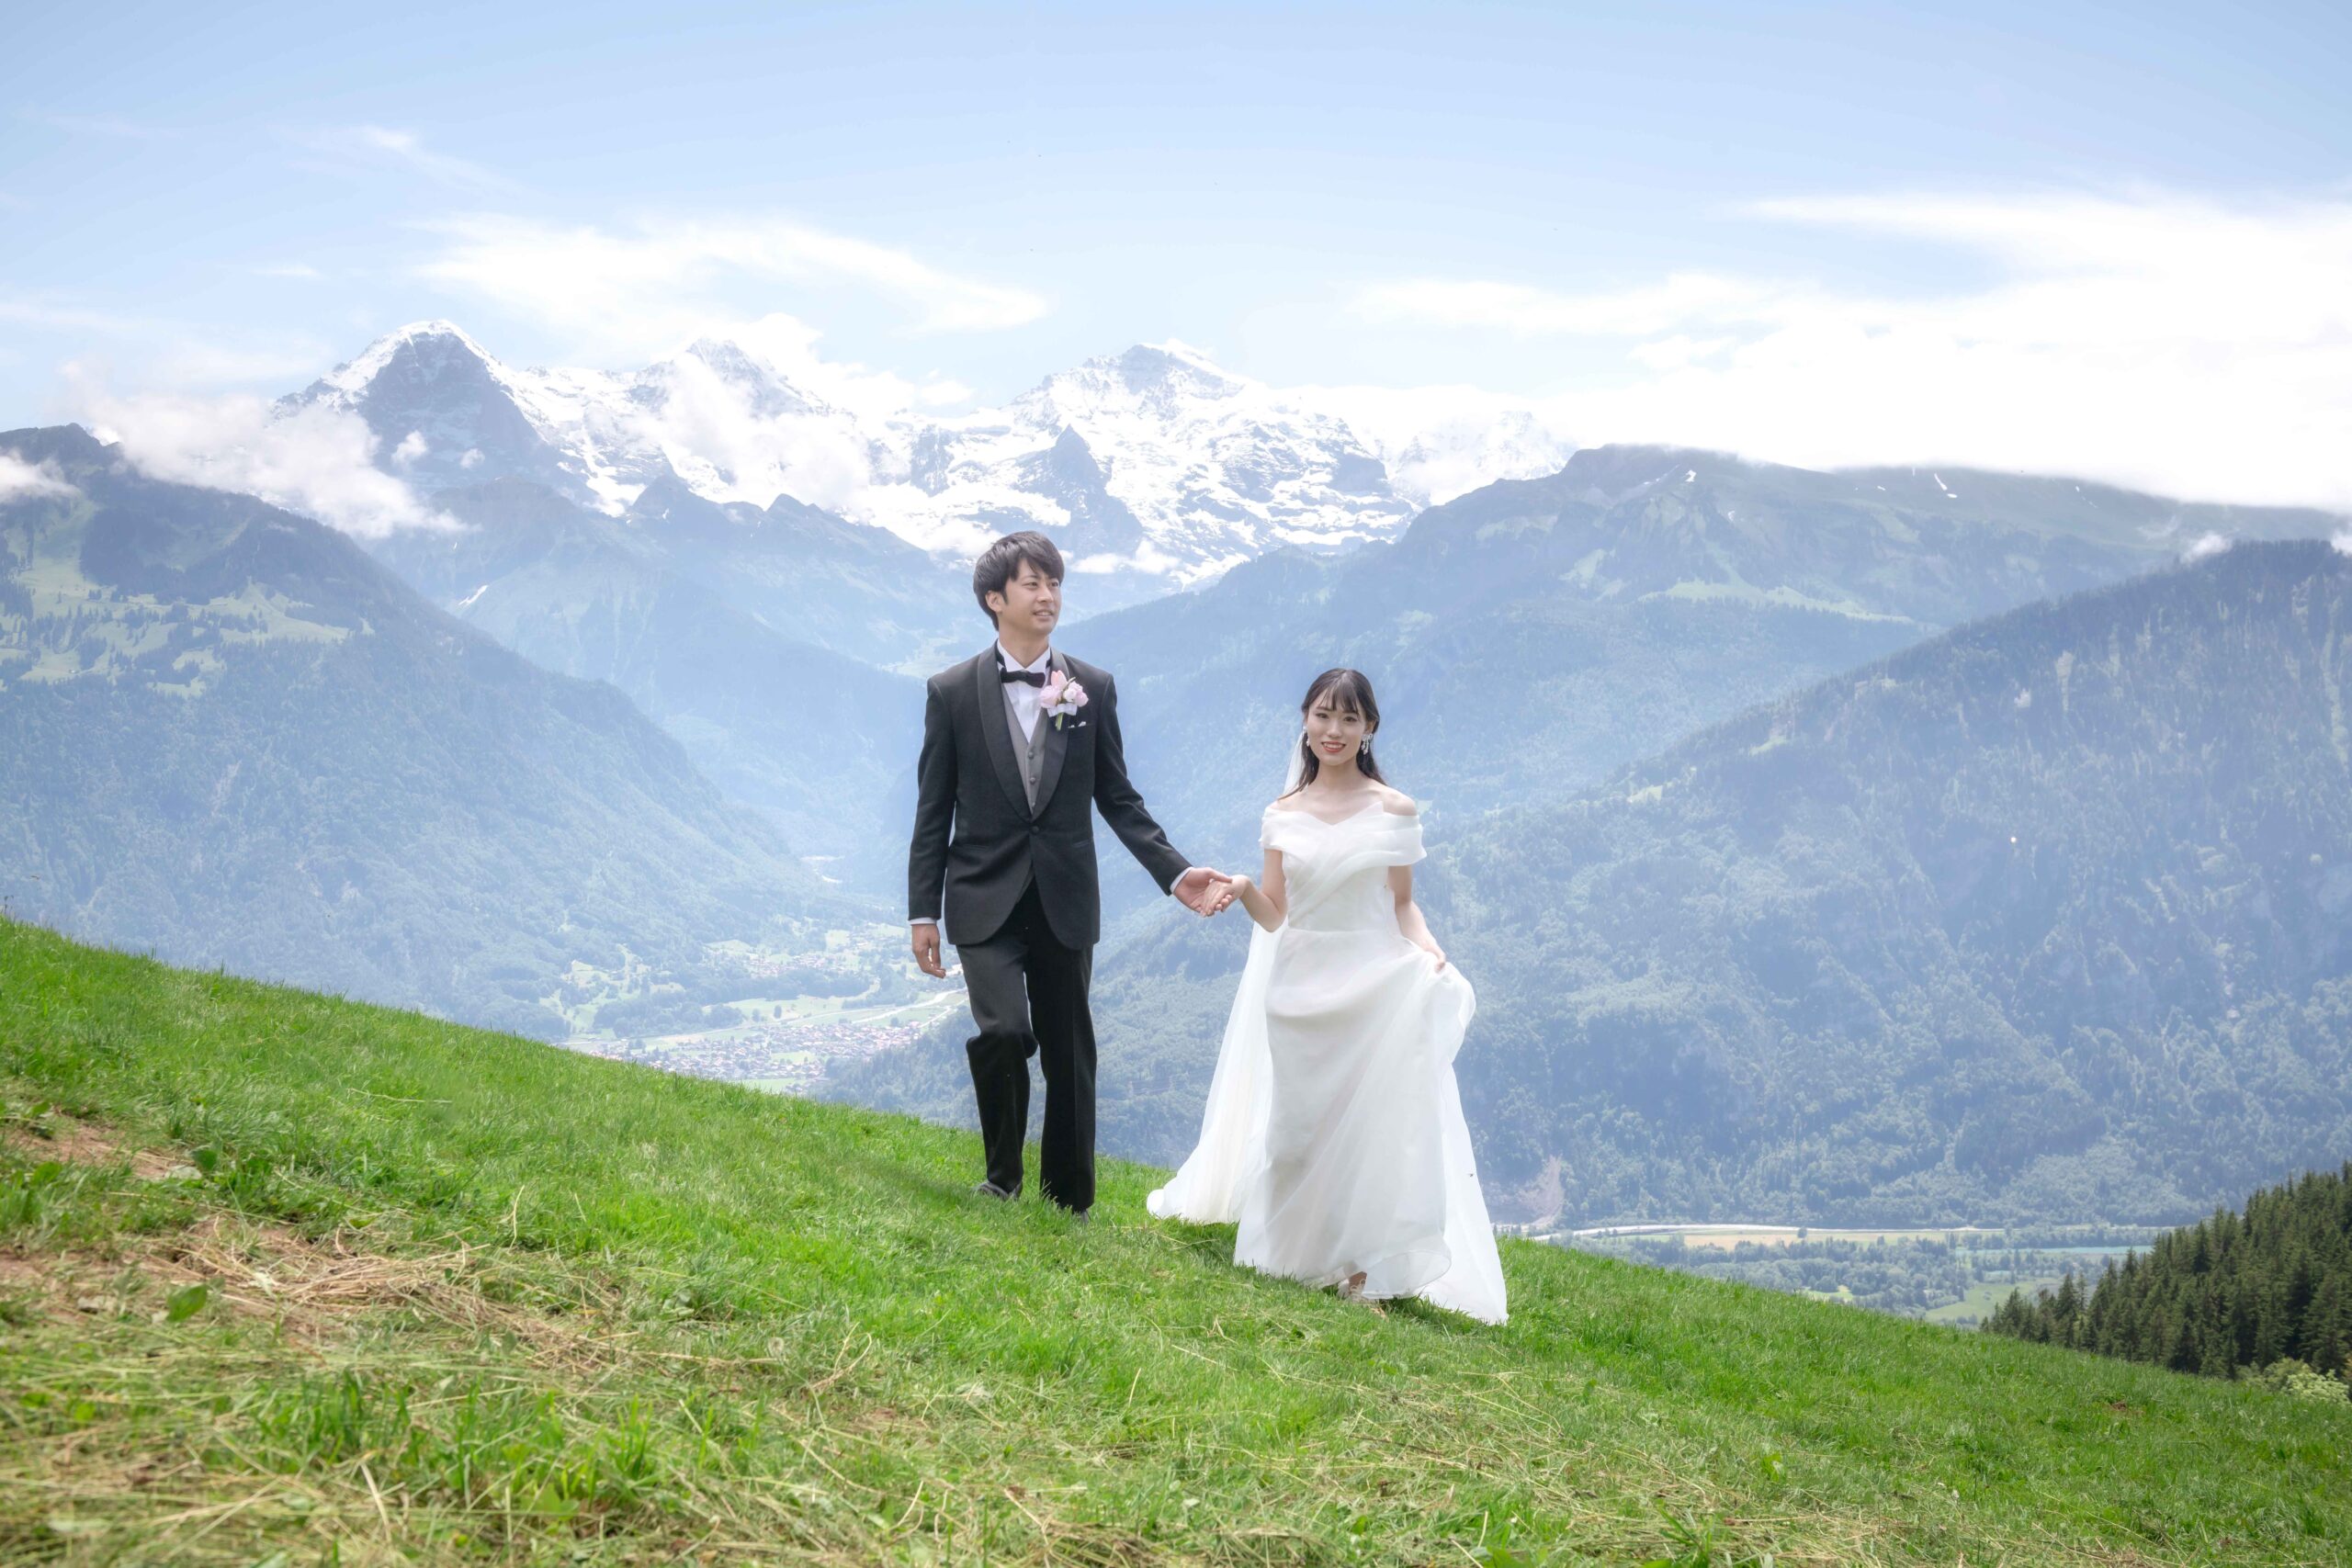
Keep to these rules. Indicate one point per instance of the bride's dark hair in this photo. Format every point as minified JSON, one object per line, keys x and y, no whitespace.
{"x":1351,"y":690}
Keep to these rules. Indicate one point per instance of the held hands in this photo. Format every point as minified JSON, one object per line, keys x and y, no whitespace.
{"x":1205,"y":892}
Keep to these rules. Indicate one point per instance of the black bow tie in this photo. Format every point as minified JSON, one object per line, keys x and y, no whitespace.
{"x":1035,"y":677}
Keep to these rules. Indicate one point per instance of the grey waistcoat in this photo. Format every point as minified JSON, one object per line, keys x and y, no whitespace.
{"x":1029,"y":749}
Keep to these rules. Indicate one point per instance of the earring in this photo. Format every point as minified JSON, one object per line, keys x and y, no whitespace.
{"x":1363,"y":747}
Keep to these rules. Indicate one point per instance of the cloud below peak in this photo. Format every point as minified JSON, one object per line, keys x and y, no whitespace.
{"x":20,"y":479}
{"x":316,"y":461}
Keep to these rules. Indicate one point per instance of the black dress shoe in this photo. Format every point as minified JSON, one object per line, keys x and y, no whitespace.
{"x":990,"y":1189}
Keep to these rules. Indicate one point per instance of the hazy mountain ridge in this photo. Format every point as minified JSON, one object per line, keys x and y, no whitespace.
{"x":812,"y":736}
{"x":1535,"y":634}
{"x":1621,"y":523}
{"x":2048,"y":913}
{"x":237,"y":739}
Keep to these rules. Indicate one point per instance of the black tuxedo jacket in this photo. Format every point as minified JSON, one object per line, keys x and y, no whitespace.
{"x":973,"y":832}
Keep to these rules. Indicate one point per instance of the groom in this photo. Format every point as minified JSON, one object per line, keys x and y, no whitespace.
{"x":1020,"y":747}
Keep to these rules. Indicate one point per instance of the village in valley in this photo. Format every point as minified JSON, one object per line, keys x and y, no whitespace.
{"x":769,"y":1018}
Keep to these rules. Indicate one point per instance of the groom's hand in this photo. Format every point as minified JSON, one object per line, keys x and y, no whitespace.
{"x":926,"y":938}
{"x":1205,"y":892}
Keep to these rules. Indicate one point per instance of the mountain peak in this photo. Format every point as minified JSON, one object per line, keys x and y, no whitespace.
{"x":1151,"y":365}
{"x":436,"y":340}
{"x":724,"y":354}
{"x":60,"y":443}
{"x":1071,"y":456}
{"x":1158,"y":382}
{"x":1611,"y":473}
{"x":766,"y":390}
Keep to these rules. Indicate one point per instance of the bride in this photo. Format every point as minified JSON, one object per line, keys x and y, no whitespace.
{"x":1334,"y":1130}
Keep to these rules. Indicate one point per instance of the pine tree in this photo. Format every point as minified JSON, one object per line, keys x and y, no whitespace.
{"x":2236,"y":1291}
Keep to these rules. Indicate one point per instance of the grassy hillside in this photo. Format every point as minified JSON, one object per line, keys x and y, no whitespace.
{"x":287,"y":1275}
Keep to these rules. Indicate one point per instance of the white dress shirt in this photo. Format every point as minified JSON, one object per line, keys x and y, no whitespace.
{"x":1028,"y":702}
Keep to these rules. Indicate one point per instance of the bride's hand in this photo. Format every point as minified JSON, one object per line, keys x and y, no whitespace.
{"x":1235,"y":887}
{"x":1434,"y":950}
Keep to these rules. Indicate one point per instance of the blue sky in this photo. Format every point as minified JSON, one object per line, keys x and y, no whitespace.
{"x":1640,"y":215}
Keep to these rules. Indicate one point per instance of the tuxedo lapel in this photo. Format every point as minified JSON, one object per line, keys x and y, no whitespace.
{"x":1049,"y":767}
{"x":996,"y":729}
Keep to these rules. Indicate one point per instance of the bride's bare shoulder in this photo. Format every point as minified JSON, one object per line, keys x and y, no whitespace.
{"x":1396,"y":802}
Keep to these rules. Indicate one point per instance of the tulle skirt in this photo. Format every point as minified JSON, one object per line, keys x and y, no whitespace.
{"x":1367,"y":1164}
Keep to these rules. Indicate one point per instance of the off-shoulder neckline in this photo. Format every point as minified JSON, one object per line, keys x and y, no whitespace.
{"x":1375,"y":803}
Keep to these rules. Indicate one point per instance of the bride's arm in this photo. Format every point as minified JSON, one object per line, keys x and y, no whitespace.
{"x":1408,"y":914}
{"x":1267,"y":899}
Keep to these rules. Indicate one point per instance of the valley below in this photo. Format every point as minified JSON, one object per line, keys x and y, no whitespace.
{"x":773,"y":1017}
{"x":1953,"y":1275}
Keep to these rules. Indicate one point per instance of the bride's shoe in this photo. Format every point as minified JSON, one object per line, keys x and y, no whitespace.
{"x":1351,"y":1290}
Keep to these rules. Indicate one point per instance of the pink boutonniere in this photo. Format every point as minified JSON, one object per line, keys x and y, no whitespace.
{"x":1061,"y":696}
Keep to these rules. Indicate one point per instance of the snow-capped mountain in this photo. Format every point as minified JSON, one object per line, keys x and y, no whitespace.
{"x":1153,"y":461}
{"x":1443,"y":442}
{"x":446,"y":412}
{"x":1154,"y":468}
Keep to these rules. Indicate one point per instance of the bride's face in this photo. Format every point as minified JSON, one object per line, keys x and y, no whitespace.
{"x":1334,"y":732}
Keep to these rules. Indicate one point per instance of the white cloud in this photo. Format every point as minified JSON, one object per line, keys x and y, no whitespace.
{"x":654,"y":282}
{"x":1674,"y":352}
{"x":191,"y":362}
{"x":113,"y":126}
{"x":1680,"y":298}
{"x":167,"y":353}
{"x":2168,"y":343}
{"x":20,"y":479}
{"x":316,"y":461}
{"x":378,"y":146}
{"x":706,"y":432}
{"x":2207,"y":544}
{"x":789,"y":346}
{"x":1441,"y":442}
{"x":56,"y":316}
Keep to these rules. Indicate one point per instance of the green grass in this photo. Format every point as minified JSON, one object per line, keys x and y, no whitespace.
{"x":1986,"y":1295}
{"x":356,"y":1286}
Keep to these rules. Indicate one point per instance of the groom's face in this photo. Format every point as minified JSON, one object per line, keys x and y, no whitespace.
{"x":1031,"y":602}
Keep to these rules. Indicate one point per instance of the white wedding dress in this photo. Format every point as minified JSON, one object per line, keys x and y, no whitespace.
{"x":1334,"y":1131}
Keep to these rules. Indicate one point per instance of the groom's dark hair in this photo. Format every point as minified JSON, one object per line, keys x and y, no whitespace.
{"x":1001,"y":563}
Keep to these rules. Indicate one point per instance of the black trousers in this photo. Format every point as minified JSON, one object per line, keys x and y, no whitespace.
{"x":1028,"y":994}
